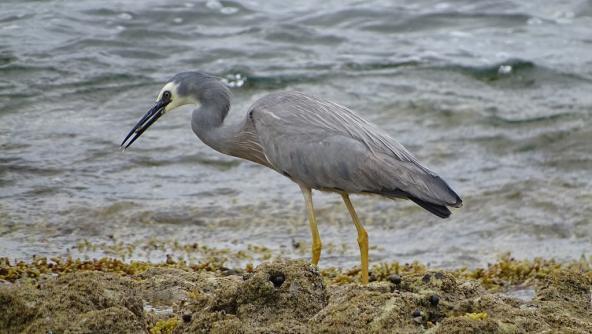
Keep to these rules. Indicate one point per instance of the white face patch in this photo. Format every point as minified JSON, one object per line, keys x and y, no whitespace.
{"x":176,"y":100}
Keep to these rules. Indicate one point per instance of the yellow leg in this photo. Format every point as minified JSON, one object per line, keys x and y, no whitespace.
{"x":312,"y":221}
{"x":362,"y":237}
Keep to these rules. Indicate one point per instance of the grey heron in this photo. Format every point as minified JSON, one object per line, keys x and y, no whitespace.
{"x":316,"y":143}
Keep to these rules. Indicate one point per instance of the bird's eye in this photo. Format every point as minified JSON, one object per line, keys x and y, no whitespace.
{"x":166,"y":95}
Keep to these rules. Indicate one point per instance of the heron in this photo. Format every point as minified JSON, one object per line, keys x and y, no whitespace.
{"x":314,"y":142}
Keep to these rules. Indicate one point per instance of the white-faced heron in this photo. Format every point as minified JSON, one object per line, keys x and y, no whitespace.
{"x":316,"y":143}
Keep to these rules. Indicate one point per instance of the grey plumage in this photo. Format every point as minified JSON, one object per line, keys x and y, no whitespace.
{"x":329,"y":147}
{"x":316,"y":143}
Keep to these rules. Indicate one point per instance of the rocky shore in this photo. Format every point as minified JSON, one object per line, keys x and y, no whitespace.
{"x":287,"y":296}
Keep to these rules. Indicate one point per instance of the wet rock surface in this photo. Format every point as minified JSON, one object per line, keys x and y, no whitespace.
{"x":259,"y":303}
{"x":83,"y":302}
{"x":286,"y":296}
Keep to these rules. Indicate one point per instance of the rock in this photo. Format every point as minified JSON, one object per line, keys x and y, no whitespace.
{"x":284,"y":296}
{"x":434,"y":300}
{"x":91,"y":302}
{"x":395,"y":279}
{"x":277,"y":279}
{"x":274,"y":295}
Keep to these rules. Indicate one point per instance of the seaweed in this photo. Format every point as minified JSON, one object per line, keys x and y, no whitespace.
{"x":66,"y":295}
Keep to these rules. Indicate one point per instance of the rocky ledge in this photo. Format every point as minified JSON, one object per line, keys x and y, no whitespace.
{"x":287,"y":296}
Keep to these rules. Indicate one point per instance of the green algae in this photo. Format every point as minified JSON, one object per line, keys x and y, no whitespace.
{"x":165,"y":326}
{"x":81,"y":302}
{"x":40,"y":266}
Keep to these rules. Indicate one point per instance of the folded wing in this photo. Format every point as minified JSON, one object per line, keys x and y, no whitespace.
{"x":326,"y":146}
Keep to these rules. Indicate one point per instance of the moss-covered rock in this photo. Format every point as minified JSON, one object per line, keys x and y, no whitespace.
{"x":82,"y":302}
{"x":285,"y":296}
{"x":279,"y":297}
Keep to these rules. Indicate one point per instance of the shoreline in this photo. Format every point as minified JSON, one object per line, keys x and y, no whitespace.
{"x":289,"y":296}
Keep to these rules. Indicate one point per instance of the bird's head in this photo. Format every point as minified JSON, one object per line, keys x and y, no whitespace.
{"x":183,"y":89}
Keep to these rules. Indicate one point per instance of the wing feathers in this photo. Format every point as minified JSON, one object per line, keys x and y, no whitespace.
{"x":327,"y":146}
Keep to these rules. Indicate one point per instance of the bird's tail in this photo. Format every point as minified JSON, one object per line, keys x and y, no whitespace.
{"x":439,"y":210}
{"x":436,"y":202}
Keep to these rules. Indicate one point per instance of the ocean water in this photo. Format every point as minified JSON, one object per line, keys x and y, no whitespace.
{"x":495,"y":96}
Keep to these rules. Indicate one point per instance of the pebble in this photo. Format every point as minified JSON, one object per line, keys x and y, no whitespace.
{"x":434,"y":300}
{"x":277,"y":279}
{"x":395,"y":279}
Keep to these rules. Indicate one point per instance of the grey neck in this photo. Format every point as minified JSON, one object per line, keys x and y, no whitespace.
{"x":210,"y":123}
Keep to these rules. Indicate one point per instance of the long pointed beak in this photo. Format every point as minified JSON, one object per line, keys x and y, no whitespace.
{"x":145,"y":122}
